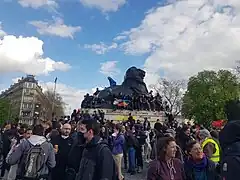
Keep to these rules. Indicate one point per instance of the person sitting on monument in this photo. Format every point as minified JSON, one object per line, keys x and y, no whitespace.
{"x":158,"y":102}
{"x":96,"y":92}
{"x":151,"y":100}
{"x":146,"y":105}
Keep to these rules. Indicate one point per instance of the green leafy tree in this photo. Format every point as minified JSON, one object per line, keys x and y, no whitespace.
{"x":4,"y":110}
{"x":207,"y":94}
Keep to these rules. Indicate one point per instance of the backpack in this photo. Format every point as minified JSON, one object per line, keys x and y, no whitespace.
{"x":34,"y":162}
{"x":100,"y":147}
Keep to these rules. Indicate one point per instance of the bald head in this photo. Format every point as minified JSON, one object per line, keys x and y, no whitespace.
{"x":66,"y":129}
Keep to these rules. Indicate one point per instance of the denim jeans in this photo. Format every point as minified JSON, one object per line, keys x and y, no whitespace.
{"x":131,"y":159}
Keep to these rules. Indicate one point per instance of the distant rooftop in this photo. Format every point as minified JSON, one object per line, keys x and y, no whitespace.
{"x":28,"y":78}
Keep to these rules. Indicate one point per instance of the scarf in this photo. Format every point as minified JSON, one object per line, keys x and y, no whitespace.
{"x":172,"y":170}
{"x":199,"y":166}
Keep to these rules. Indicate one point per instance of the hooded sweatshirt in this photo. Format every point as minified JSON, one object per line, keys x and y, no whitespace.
{"x":21,"y":150}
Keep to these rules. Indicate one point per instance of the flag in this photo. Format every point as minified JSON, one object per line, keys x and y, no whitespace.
{"x":55,"y":81}
{"x":121,"y":103}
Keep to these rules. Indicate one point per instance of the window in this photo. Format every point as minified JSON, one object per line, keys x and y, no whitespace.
{"x":27,"y":91}
{"x":29,"y":85}
{"x":26,"y":114}
{"x":25,"y":105}
{"x":30,"y":105}
{"x":28,"y":98}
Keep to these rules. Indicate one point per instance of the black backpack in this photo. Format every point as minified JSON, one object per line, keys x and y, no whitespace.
{"x":100,"y":147}
{"x":34,"y":163}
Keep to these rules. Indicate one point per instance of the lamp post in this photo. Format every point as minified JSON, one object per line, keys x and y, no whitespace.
{"x":54,"y":97}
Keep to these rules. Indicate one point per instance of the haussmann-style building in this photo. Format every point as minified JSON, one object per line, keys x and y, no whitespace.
{"x":27,"y":101}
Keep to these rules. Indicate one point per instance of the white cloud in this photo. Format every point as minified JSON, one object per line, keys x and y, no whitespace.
{"x":100,"y":48}
{"x":25,"y":54}
{"x":109,"y":68}
{"x":56,"y":28}
{"x":2,"y":88}
{"x":119,"y":38}
{"x":104,"y":5}
{"x":71,"y":96}
{"x":38,"y":3}
{"x":15,"y":80}
{"x":2,"y":32}
{"x":187,"y":36}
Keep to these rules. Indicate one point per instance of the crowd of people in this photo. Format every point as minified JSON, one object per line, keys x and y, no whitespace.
{"x":147,"y":102}
{"x":86,"y":149}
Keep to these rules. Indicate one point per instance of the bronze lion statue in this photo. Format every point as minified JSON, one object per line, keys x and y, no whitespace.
{"x":133,"y":84}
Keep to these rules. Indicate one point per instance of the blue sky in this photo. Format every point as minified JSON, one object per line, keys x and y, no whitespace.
{"x":83,"y":41}
{"x":95,"y":28}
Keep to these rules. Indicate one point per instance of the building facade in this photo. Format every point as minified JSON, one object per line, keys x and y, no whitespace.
{"x":27,"y":101}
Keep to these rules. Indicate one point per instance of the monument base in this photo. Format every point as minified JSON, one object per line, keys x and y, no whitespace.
{"x":122,"y":115}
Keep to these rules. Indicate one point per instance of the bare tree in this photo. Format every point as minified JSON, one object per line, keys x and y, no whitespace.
{"x":171,"y":91}
{"x":55,"y":98}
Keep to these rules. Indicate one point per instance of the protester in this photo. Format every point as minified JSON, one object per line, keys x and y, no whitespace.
{"x":35,"y":156}
{"x":132,"y":144}
{"x":19,"y":138}
{"x":62,"y":145}
{"x":141,"y":138}
{"x":118,"y":144}
{"x":6,"y":146}
{"x":229,"y":139}
{"x":166,"y":166}
{"x":198,"y":166}
{"x":211,"y":147}
{"x":75,"y":154}
{"x":184,"y":138}
{"x":97,"y":161}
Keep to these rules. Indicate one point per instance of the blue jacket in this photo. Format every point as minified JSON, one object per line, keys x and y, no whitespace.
{"x":118,"y":144}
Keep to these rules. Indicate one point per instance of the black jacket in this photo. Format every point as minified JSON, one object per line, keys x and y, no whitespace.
{"x":64,"y":146}
{"x":229,"y":139}
{"x":97,"y":162}
{"x":6,"y":143}
{"x":74,"y":156}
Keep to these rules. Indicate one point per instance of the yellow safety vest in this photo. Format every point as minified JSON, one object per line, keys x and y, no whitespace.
{"x":216,"y":156}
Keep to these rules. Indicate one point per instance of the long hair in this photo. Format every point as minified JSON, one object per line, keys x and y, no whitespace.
{"x":162,"y":144}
